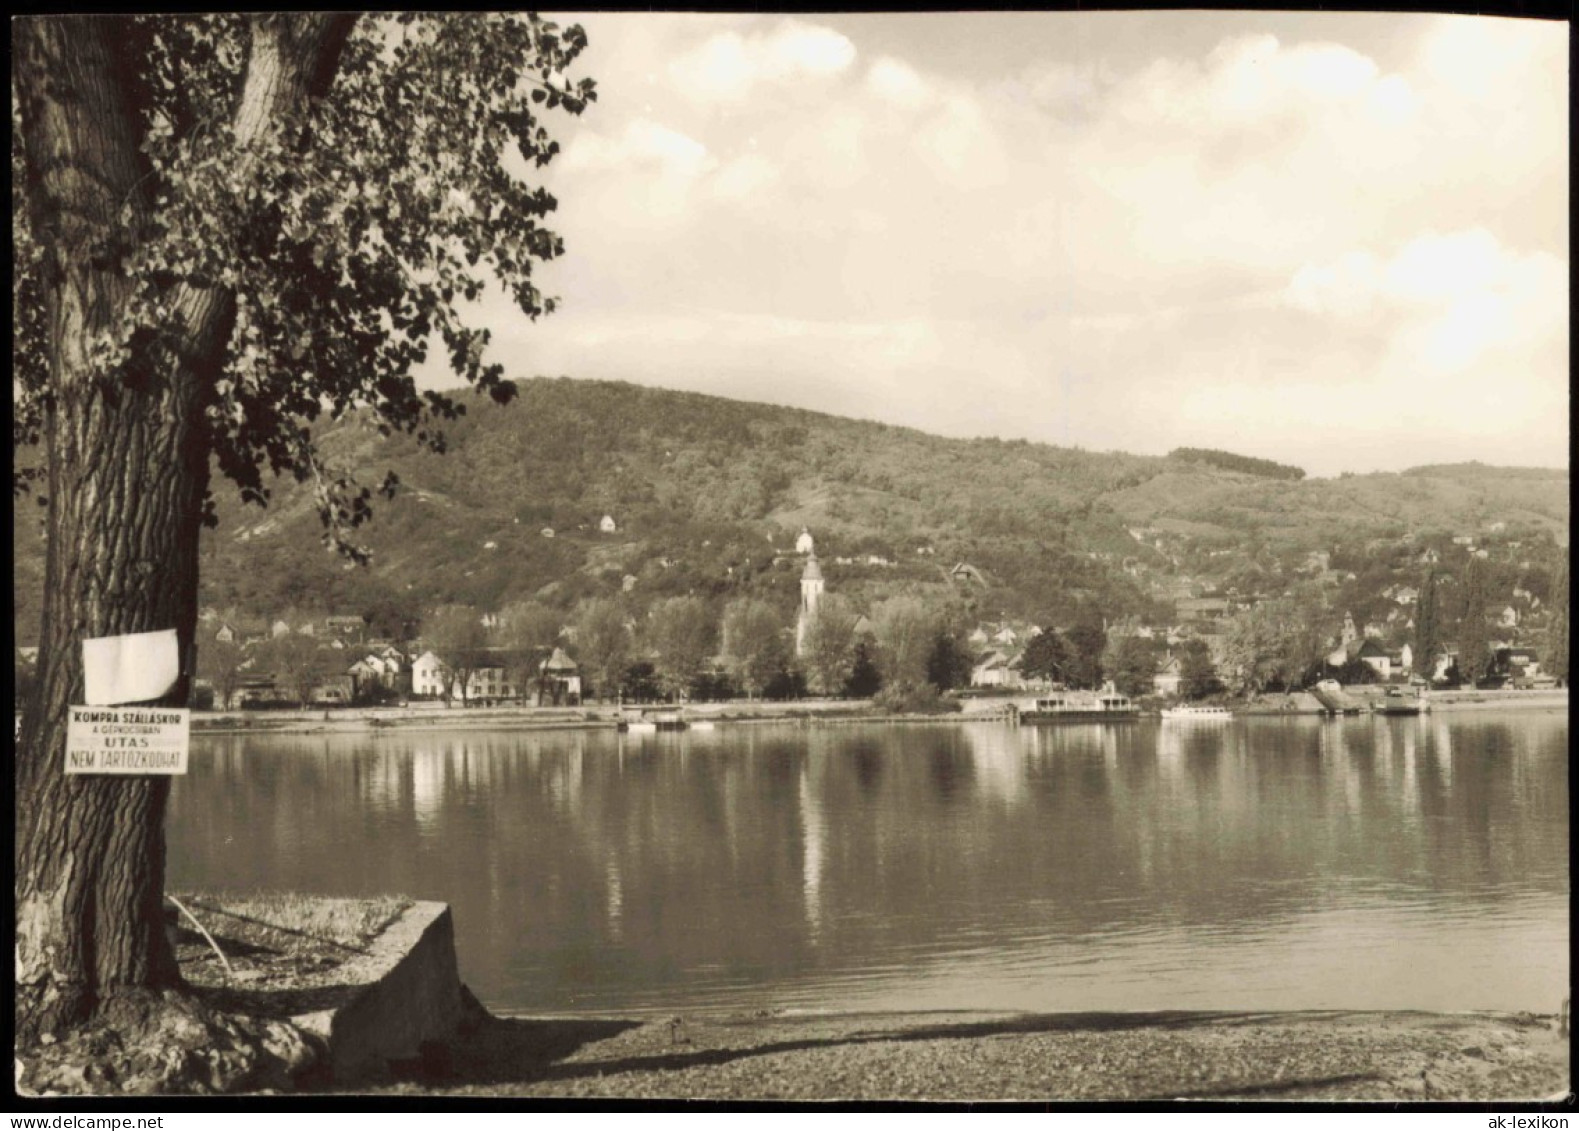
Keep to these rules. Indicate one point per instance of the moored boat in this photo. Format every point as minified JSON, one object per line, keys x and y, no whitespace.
{"x":1396,"y":702}
{"x":1105,"y":706}
{"x":1197,"y":713}
{"x":649,"y":722}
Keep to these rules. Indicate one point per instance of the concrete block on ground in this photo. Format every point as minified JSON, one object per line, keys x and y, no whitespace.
{"x":409,"y":994}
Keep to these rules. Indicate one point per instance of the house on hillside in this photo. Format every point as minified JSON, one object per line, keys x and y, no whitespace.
{"x":1386,"y":664}
{"x":333,"y":691}
{"x":1519,"y":664}
{"x":967,"y":574}
{"x":607,"y":525}
{"x":803,"y":542}
{"x":1201,"y":609}
{"x":242,"y":631}
{"x":1437,"y":667}
{"x":490,"y":683}
{"x":559,"y":680}
{"x":258,"y":688}
{"x":428,"y":676}
{"x":992,"y":669}
{"x":345,"y":628}
{"x":380,"y":669}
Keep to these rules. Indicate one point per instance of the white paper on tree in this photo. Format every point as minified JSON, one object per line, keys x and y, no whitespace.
{"x":133,"y":668}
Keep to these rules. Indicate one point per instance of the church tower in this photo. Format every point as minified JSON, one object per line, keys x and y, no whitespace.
{"x":810,"y":595}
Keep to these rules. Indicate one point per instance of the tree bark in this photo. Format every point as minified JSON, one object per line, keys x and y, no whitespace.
{"x":127,"y":472}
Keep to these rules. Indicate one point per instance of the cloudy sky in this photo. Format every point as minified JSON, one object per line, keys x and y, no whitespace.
{"x":1335,"y":240}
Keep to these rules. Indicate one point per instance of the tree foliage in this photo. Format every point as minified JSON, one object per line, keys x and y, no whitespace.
{"x":1557,"y":641}
{"x":865,"y":678}
{"x":1047,"y":657}
{"x":1197,"y":673}
{"x":528,"y":630}
{"x":754,"y":643}
{"x":1087,"y":642}
{"x":221,"y":663}
{"x":1276,"y":644}
{"x":905,"y":627}
{"x":1472,"y":626}
{"x":1228,"y":461}
{"x":828,"y":651}
{"x":949,"y":661}
{"x":682,"y":634}
{"x":343,"y":232}
{"x":1134,"y":663}
{"x":1428,"y":624}
{"x":297,"y":663}
{"x":603,"y":643}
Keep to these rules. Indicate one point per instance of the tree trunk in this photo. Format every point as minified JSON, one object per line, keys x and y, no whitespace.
{"x":127,"y":474}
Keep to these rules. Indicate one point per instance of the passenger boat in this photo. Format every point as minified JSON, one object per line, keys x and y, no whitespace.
{"x":1105,"y":706}
{"x":1196,"y":713}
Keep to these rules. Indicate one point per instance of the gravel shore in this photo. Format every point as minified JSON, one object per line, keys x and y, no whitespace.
{"x":1201,"y":1056}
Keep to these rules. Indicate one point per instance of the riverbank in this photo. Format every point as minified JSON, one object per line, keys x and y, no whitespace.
{"x":425,"y":717}
{"x":952,"y":1057}
{"x":354,"y":997}
{"x":1554,"y":699}
{"x":356,"y":720}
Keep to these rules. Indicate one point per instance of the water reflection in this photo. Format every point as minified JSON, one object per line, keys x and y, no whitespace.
{"x":958,"y":865}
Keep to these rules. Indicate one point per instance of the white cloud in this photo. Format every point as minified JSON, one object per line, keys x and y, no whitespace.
{"x":1089,"y":231}
{"x":729,"y":66}
{"x":745,"y":178}
{"x":643,"y":145}
{"x":896,"y":83}
{"x":1254,"y":80}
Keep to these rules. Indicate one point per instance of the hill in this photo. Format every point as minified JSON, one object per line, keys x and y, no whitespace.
{"x":707,"y":495}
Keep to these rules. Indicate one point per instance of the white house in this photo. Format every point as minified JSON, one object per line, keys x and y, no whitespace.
{"x":427,"y":675}
{"x":992,"y":670}
{"x":606,"y":524}
{"x":803,"y":544}
{"x":560,"y":680}
{"x":490,"y":684}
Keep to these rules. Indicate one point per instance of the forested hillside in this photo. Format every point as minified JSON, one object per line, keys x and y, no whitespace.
{"x":708,"y":494}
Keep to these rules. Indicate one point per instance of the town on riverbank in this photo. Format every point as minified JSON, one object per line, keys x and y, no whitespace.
{"x":1445,"y":639}
{"x":439,"y":716}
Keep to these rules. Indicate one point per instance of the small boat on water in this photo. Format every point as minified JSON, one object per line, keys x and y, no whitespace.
{"x":1395,"y":702}
{"x":1197,"y":714}
{"x":650,"y":722}
{"x":1105,"y":706}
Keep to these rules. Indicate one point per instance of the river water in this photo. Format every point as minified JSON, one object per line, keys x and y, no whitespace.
{"x":1261,"y":864}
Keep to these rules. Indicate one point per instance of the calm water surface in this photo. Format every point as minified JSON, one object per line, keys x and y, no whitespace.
{"x":1276,"y":864}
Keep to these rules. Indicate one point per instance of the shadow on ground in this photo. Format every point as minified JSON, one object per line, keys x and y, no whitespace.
{"x":502,"y":1051}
